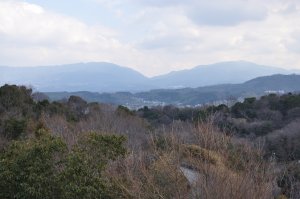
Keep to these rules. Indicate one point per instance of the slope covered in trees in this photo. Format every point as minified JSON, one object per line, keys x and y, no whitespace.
{"x":75,"y":149}
{"x":193,"y":96}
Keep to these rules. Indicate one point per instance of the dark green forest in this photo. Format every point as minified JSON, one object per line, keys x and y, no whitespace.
{"x":75,"y":149}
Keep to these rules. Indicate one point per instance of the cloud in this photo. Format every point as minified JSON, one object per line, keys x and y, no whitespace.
{"x":290,"y":8}
{"x":175,"y":33}
{"x":225,"y":13}
{"x":30,"y":23}
{"x":158,"y":3}
{"x":214,"y":12}
{"x":153,"y":36}
{"x":292,"y":43}
{"x":265,"y":41}
{"x":31,"y":35}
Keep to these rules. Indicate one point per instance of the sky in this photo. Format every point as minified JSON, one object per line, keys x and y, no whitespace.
{"x":150,"y":36}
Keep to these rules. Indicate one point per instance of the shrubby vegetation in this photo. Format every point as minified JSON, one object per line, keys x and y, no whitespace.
{"x":75,"y":149}
{"x":43,"y":167}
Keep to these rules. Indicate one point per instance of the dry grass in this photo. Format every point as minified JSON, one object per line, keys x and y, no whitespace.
{"x":225,"y":170}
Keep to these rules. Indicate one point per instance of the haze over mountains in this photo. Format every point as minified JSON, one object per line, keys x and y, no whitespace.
{"x":107,"y":77}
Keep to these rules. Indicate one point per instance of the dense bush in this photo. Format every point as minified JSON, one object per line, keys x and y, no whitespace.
{"x":43,"y":167}
{"x":15,"y":96}
{"x":13,"y":128}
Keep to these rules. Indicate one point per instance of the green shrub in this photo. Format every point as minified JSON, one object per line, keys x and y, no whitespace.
{"x":28,"y":169}
{"x":42,"y":167}
{"x":13,"y":128}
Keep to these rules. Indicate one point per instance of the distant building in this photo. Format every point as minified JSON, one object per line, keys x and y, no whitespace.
{"x":279,"y":92}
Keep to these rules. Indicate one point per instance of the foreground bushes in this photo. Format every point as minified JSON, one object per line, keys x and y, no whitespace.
{"x":98,"y":166}
{"x":43,"y":167}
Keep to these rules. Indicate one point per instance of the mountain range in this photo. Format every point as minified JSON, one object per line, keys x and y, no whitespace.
{"x":107,"y":77}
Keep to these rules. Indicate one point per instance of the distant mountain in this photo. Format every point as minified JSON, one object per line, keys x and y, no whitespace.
{"x":97,"y":77}
{"x":107,"y":77}
{"x":194,"y":96}
{"x":220,"y":73}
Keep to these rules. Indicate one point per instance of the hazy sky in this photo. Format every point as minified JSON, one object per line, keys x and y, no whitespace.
{"x":151,"y":36}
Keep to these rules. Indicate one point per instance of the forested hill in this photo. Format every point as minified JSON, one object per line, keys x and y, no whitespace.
{"x":256,"y":87}
{"x":77,"y":149}
{"x":193,"y":96}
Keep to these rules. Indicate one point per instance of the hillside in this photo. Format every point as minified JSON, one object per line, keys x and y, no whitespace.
{"x":193,"y":96}
{"x":77,"y":149}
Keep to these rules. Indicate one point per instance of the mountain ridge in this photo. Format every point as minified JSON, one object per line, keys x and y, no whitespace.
{"x":92,"y":76}
{"x":108,"y":77}
{"x":224,"y":72}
